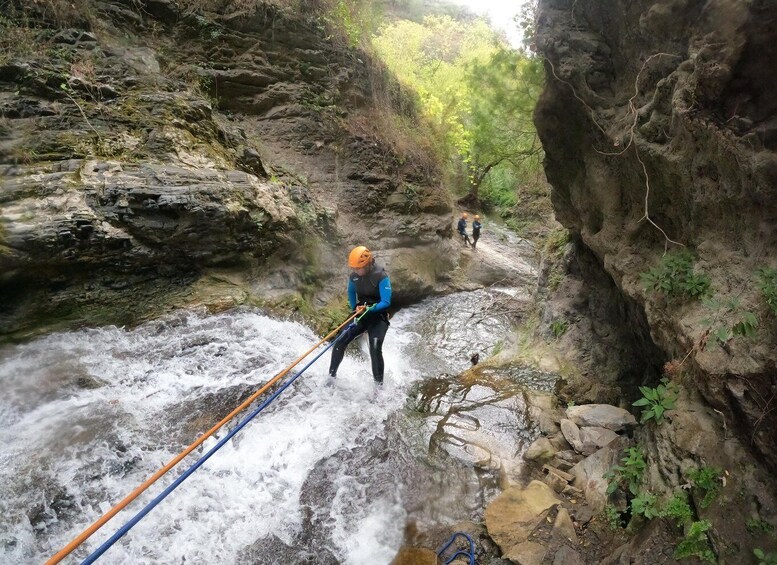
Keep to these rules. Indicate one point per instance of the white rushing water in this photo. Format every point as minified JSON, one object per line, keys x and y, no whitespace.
{"x":89,"y":415}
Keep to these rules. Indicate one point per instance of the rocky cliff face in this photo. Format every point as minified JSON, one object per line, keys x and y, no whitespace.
{"x":143,"y":147}
{"x":659,"y":122}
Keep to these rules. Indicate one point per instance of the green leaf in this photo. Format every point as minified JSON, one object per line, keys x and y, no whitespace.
{"x":710,"y":303}
{"x":641,"y":402}
{"x":749,"y":318}
{"x":723,"y":335}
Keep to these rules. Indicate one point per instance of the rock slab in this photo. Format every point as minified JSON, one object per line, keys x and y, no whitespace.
{"x":513,"y":516}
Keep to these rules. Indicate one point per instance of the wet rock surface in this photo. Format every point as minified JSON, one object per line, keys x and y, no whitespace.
{"x":230,"y":152}
{"x":669,"y":97}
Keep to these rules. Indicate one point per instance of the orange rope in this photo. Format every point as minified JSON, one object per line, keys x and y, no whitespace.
{"x":83,"y":536}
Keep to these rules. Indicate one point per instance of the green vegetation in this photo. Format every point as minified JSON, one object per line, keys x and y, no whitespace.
{"x":15,"y":40}
{"x":612,"y":517}
{"x":696,"y":543}
{"x":479,"y":96}
{"x":503,"y":92}
{"x":559,"y":328}
{"x":675,"y":277}
{"x":708,"y":479}
{"x":742,"y":323}
{"x":645,"y":504}
{"x":678,"y":509}
{"x":657,"y":401}
{"x":765,"y":558}
{"x":553,"y":244}
{"x":629,"y":473}
{"x":767,"y":283}
{"x":757,"y":526}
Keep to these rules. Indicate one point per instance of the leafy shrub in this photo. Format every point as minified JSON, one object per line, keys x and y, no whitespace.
{"x":756,"y":526}
{"x":629,"y":473}
{"x":745,"y":325}
{"x":657,"y":400}
{"x":765,"y":558}
{"x":768,"y":285}
{"x":696,"y":543}
{"x":644,"y":504}
{"x":559,"y":327}
{"x":612,"y":517}
{"x":678,"y":509}
{"x":674,"y":276}
{"x":708,"y":480}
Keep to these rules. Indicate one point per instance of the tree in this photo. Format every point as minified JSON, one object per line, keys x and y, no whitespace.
{"x":504,"y":93}
{"x":478,"y":93}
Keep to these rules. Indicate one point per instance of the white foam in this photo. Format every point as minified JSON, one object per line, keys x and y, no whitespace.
{"x":100,"y":443}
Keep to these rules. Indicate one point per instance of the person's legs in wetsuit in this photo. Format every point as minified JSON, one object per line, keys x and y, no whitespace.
{"x":338,"y":351}
{"x":376,"y":331}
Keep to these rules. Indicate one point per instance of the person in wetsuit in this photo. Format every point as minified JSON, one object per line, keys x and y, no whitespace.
{"x":462,"y":228}
{"x":476,"y":225}
{"x":369,"y":292}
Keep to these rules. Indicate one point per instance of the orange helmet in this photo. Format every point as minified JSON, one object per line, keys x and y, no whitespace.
{"x":464,"y":215}
{"x":477,"y":217}
{"x":359,"y":257}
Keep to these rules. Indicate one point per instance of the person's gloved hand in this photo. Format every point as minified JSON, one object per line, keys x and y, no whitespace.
{"x":363,"y":312}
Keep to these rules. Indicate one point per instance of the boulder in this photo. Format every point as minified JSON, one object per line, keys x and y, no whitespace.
{"x":572,"y":435}
{"x":415,"y":556}
{"x":541,"y":450}
{"x":567,"y":459}
{"x":586,"y":440}
{"x":589,"y":474}
{"x":567,"y":556}
{"x":514,"y":514}
{"x":594,"y":438}
{"x":563,"y":528}
{"x":601,"y":416}
{"x":555,"y":482}
{"x":527,"y":553}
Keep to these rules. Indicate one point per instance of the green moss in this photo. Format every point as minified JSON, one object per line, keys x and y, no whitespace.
{"x":297,"y":307}
{"x":332,"y":315}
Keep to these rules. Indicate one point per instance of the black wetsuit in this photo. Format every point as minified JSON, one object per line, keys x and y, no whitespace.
{"x":476,"y":225}
{"x":462,"y":227}
{"x":374,"y":288}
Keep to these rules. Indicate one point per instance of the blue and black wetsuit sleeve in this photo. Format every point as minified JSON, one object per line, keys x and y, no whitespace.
{"x":351,"y":294}
{"x":384,"y":288}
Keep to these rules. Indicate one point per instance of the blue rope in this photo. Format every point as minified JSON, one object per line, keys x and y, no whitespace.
{"x":461,"y":552}
{"x":197,"y":464}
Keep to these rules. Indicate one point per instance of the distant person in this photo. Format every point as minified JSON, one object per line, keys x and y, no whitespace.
{"x":475,"y":231}
{"x":369,"y":294}
{"x":462,"y":227}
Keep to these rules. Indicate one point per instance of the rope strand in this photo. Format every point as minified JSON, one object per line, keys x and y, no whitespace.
{"x":83,"y":536}
{"x":196,"y":465}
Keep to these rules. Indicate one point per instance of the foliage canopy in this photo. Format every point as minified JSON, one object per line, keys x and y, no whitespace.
{"x":478,"y":93}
